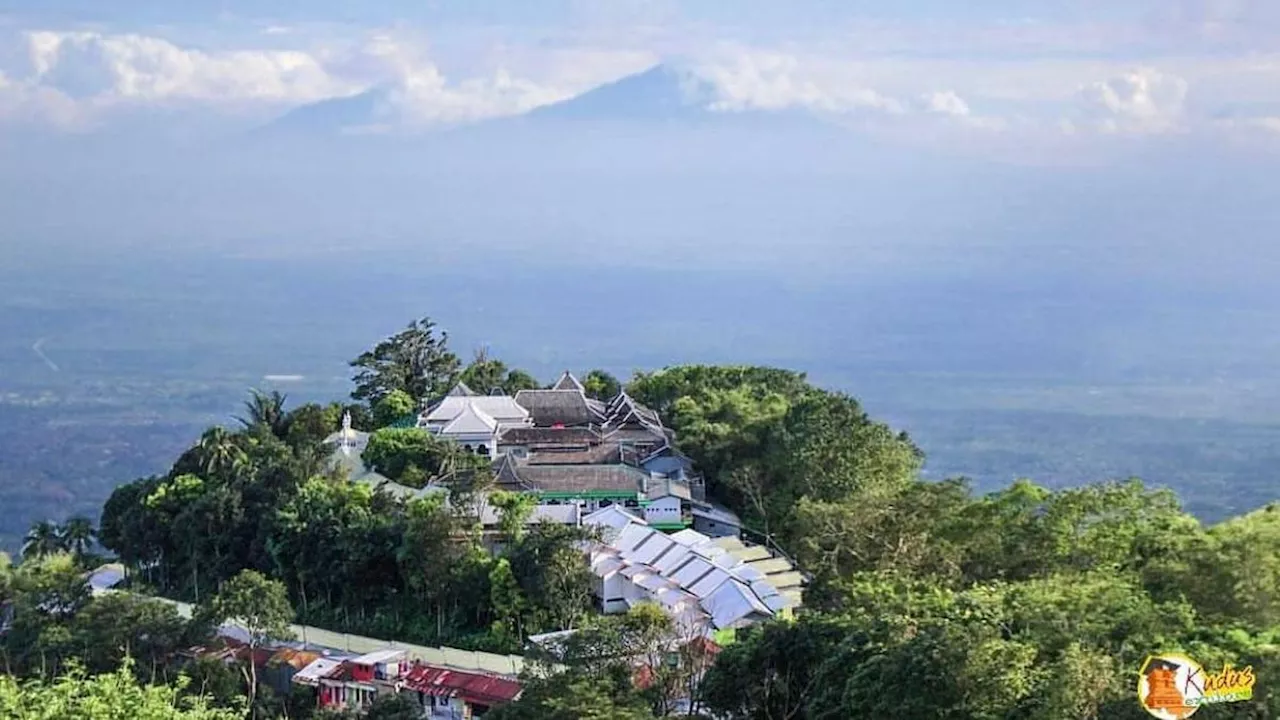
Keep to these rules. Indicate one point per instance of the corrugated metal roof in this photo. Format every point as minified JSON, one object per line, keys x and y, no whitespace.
{"x":476,"y":688}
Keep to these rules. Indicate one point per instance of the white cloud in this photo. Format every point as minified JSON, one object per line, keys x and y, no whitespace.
{"x":946,"y":103}
{"x":1141,"y":101}
{"x":421,"y":94}
{"x":71,"y":78}
{"x":142,"y":68}
{"x":78,"y":76}
{"x":764,"y":80}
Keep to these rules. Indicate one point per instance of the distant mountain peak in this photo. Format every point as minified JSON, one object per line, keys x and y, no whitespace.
{"x":352,"y":113}
{"x":661,"y":92}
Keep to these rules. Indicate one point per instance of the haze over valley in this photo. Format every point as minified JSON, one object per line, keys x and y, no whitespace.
{"x":1078,"y":307}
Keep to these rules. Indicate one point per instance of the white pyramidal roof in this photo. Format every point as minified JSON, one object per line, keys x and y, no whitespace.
{"x":502,"y":408}
{"x":697,"y":580}
{"x":471,"y":421}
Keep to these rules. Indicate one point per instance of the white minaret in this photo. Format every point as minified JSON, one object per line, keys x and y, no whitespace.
{"x":345,"y":443}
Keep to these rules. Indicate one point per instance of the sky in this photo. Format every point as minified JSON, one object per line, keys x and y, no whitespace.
{"x":1001,"y":75}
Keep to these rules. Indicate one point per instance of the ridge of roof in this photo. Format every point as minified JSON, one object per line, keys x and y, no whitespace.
{"x":471,"y":420}
{"x":568,"y":382}
{"x":461,"y":390}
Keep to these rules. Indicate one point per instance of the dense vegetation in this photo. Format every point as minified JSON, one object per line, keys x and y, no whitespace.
{"x":927,"y":599}
{"x":355,"y":558}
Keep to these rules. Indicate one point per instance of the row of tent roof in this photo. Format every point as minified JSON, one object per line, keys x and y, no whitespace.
{"x":715,"y":584}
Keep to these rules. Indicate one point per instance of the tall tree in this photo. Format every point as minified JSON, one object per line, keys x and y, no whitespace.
{"x":396,"y":452}
{"x":260,"y":606}
{"x":44,"y":538}
{"x":267,"y":409}
{"x":601,"y":385}
{"x":78,"y":535}
{"x":394,"y":406}
{"x":414,"y":360}
{"x":220,"y":453}
{"x":485,"y":374}
{"x":514,"y":511}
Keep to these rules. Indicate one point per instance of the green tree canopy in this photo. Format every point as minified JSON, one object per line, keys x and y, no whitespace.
{"x":392,"y":407}
{"x":413,"y":452}
{"x":114,"y":696}
{"x":601,"y":385}
{"x":485,"y":374}
{"x":415,"y":361}
{"x":258,"y":605}
{"x":266,"y":409}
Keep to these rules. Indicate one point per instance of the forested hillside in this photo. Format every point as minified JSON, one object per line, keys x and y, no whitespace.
{"x":926,"y":599}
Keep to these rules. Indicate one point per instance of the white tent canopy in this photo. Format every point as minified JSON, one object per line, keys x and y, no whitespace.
{"x":699,"y":582}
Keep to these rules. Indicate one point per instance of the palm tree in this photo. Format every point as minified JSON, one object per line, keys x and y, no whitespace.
{"x":220,"y":452}
{"x":266,"y":409}
{"x":44,"y":538}
{"x":78,"y":535}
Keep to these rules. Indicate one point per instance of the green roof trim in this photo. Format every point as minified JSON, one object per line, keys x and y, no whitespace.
{"x":672,"y":525}
{"x":588,"y":495}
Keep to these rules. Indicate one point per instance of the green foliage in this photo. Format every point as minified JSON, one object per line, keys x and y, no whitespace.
{"x":576,"y":697}
{"x":1234,"y":575}
{"x":514,"y":511}
{"x":43,"y":539}
{"x":485,"y":374}
{"x":601,"y":385}
{"x":597,"y":668}
{"x":414,"y":361}
{"x":76,"y":536}
{"x":1024,"y":603}
{"x":926,"y":601}
{"x":509,"y":605}
{"x":256,"y":603}
{"x":213,"y":678}
{"x":409,"y":452}
{"x":776,"y":670}
{"x":550,"y":569}
{"x":722,"y":415}
{"x":115,"y":626}
{"x":57,"y":624}
{"x":115,"y":696}
{"x":393,"y":707}
{"x":394,"y":406}
{"x":266,"y":409}
{"x":6,"y":577}
{"x":310,"y":424}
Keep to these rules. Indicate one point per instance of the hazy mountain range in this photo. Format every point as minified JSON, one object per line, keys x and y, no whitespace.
{"x":663,"y":94}
{"x":1099,"y":318}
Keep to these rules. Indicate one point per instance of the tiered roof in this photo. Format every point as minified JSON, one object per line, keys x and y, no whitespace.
{"x":567,"y":407}
{"x":536,"y":437}
{"x":499,"y":409}
{"x":623,"y":479}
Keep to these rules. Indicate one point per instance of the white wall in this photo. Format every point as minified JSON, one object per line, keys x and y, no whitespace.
{"x":666,"y":509}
